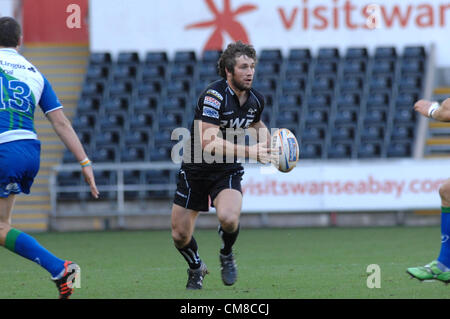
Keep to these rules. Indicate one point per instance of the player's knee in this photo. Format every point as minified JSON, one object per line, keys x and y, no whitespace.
{"x":444,"y":192}
{"x":180,"y":238}
{"x":229,"y":221}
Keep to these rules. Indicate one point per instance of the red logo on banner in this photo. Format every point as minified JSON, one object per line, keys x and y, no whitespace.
{"x":223,"y":22}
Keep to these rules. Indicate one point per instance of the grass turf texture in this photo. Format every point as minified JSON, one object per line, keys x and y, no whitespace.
{"x":272,"y":264}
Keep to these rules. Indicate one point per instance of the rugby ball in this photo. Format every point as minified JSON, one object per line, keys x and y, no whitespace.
{"x":288,"y":150}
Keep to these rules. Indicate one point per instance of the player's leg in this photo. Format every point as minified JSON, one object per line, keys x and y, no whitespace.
{"x":6,"y":205}
{"x":183,"y":224}
{"x":26,"y":246}
{"x":444,"y":255}
{"x":190,"y":197}
{"x":228,"y":205}
{"x":440,"y":268}
{"x":19,"y":162}
{"x":227,"y":199}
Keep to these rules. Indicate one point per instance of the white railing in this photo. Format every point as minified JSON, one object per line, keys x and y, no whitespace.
{"x":120,"y":187}
{"x":422,"y":129}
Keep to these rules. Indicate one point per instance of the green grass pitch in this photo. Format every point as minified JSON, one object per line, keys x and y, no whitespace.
{"x":273,"y":263}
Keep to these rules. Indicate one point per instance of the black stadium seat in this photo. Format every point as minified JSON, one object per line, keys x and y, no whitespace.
{"x":96,"y":72}
{"x":114,"y":120}
{"x":294,"y":68}
{"x":356,"y":53}
{"x":414,"y":52}
{"x":320,"y":99}
{"x":375,"y":116}
{"x":185,"y":57}
{"x":153,"y":71}
{"x":182,"y":71}
{"x":383,"y":67}
{"x":343,"y":133}
{"x":354,"y":67}
{"x":402,"y":132}
{"x":138,"y":137}
{"x":311,"y":150}
{"x":121,"y":87}
{"x":313,"y":133}
{"x":385,"y":53}
{"x":348,"y":99}
{"x":372,"y":133}
{"x":134,"y":153}
{"x":273,"y":55}
{"x":128,"y":58}
{"x":400,"y":149}
{"x":111,"y":137}
{"x":106,"y":154}
{"x":159,"y":154}
{"x":142,"y":120}
{"x":299,"y":55}
{"x":340,"y":150}
{"x":290,"y":100}
{"x":100,"y":58}
{"x":117,"y":103}
{"x":322,"y":83}
{"x":370,"y":150}
{"x":293,"y":85}
{"x":156,"y":57}
{"x":404,"y":115}
{"x":353,"y":83}
{"x":88,"y":104}
{"x":211,"y":56}
{"x":346,"y":116}
{"x":326,"y":67}
{"x":328,"y":54}
{"x":316,"y":117}
{"x":84,"y":121}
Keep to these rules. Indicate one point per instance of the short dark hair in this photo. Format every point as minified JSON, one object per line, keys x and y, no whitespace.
{"x":234,"y":50}
{"x":10,"y":32}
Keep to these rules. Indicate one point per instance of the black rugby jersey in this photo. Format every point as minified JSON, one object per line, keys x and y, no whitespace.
{"x":219,"y":105}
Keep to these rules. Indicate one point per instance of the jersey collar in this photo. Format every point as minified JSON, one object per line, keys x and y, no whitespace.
{"x":230,"y":89}
{"x":8,"y":50}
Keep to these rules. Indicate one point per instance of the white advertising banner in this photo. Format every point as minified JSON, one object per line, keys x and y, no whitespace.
{"x":7,"y":8}
{"x":148,"y":25}
{"x":346,"y":186}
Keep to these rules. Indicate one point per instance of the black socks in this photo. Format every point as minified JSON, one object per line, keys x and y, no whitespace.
{"x":228,"y":240}
{"x":190,"y":253}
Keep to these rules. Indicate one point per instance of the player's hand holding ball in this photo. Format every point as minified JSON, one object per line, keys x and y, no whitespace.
{"x":262,"y":153}
{"x":285,"y":142}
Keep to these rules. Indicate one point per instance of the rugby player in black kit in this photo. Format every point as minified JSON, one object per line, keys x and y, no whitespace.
{"x":229,"y":103}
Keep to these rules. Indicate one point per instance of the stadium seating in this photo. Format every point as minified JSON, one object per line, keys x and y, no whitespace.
{"x":341,"y":104}
{"x":333,"y":89}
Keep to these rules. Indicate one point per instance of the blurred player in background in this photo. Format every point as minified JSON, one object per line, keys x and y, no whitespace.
{"x":22,"y":87}
{"x":227,"y":103}
{"x":439,"y":268}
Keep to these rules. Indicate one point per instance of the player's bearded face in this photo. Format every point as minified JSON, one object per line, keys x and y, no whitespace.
{"x":244,"y":70}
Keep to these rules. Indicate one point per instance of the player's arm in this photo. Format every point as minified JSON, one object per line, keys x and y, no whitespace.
{"x":52,"y":108}
{"x":434,"y":110}
{"x":211,"y":141}
{"x":260,"y":132}
{"x":66,"y":133}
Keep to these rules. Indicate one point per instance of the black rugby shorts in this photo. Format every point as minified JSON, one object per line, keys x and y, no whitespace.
{"x":193,"y":191}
